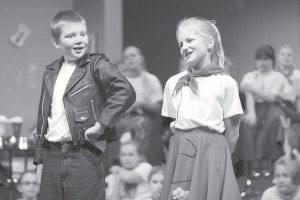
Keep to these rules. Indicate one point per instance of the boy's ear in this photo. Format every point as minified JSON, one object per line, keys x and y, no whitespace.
{"x":210,"y":42}
{"x":55,"y":42}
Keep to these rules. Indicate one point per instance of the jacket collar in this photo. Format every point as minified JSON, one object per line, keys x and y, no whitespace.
{"x":57,"y":64}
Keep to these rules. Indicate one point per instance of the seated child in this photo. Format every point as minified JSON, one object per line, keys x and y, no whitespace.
{"x":28,"y":186}
{"x":156,"y":179}
{"x":129,"y":181}
{"x":284,"y":187}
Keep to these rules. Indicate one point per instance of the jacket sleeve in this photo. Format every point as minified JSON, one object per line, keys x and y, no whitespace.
{"x":38,"y":154}
{"x":120,"y":93}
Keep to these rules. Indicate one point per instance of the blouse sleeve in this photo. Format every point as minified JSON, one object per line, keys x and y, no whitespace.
{"x":168,"y":109}
{"x":231,"y":100}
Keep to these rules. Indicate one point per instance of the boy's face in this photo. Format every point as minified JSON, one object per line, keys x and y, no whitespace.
{"x":285,"y":56}
{"x":193,"y":47}
{"x":29,"y":187}
{"x":73,"y":41}
{"x":129,"y":157}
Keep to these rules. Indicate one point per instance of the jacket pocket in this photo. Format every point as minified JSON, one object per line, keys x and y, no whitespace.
{"x":81,"y":116}
{"x":85,"y":87}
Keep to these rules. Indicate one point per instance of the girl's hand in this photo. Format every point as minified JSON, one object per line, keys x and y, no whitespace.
{"x":180,"y":194}
{"x":115,"y":169}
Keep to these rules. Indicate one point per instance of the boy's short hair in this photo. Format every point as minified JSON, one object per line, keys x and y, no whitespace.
{"x":63,"y":17}
{"x":24,"y":173}
{"x":293,"y":136}
{"x":265,"y":52}
{"x":280,"y":161}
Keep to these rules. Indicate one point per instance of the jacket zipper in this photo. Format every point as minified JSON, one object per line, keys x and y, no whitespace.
{"x":79,"y":90}
{"x":93,"y":108}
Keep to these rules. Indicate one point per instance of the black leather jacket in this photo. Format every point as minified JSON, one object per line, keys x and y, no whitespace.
{"x":96,"y":91}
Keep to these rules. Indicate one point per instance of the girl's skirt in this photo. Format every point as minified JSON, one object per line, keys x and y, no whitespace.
{"x":199,"y":161}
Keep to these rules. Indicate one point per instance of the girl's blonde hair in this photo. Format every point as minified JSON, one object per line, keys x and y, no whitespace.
{"x":206,"y":28}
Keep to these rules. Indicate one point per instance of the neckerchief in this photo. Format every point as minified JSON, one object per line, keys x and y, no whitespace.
{"x":190,"y":81}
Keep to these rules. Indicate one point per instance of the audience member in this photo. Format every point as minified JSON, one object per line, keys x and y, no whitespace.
{"x":156,"y":179}
{"x":28,"y":186}
{"x":130,"y":180}
{"x":284,"y":188}
{"x":260,"y":127}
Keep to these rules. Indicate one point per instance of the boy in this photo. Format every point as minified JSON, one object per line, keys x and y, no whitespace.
{"x":28,"y":186}
{"x":82,"y":98}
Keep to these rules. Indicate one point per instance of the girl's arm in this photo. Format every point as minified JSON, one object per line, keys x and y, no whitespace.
{"x":250,"y":116}
{"x":232,"y":125}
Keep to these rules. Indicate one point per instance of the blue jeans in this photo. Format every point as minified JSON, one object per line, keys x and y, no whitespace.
{"x":72,"y":173}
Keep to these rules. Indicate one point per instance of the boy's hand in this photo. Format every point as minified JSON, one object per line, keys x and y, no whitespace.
{"x":93,"y":133}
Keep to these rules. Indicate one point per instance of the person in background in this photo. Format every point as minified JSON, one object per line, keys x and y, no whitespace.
{"x":156,"y":178}
{"x":143,"y":120}
{"x":260,"y":133}
{"x":284,"y":188}
{"x":204,"y":103}
{"x":28,"y":186}
{"x":130,"y":180}
{"x":82,"y":98}
{"x":287,"y":67}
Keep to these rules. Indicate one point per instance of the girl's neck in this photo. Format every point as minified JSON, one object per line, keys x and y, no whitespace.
{"x":203,"y":63}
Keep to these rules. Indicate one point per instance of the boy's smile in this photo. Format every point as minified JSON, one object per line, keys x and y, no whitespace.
{"x":73,"y":41}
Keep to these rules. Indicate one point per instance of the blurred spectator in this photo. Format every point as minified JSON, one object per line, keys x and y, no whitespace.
{"x":284,"y":188}
{"x":287,"y":67}
{"x":129,"y":181}
{"x":28,"y":186}
{"x":260,"y":134}
{"x":143,"y":120}
{"x":156,"y":178}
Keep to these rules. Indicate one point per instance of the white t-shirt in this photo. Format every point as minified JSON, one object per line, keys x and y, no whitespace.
{"x":273,"y":82}
{"x":217,"y":99}
{"x":58,"y":129}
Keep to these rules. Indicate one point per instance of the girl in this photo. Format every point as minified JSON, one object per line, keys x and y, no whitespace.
{"x":284,"y":188}
{"x":156,"y":179}
{"x":205,"y":104}
{"x":130,"y":180}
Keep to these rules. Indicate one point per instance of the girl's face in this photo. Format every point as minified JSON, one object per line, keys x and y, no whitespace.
{"x":193,"y":47}
{"x":156,"y":182}
{"x":133,"y":58}
{"x":283,"y":180}
{"x":129,"y":157}
{"x":264,"y":65}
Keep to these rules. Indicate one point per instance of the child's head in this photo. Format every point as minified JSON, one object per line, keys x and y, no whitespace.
{"x":282,"y":178}
{"x":156,"y":178}
{"x":265,"y":58}
{"x":28,"y":185}
{"x":69,"y":34}
{"x":292,"y":150}
{"x":200,"y":42}
{"x":285,"y":56}
{"x":134,"y":58}
{"x":130,"y":154}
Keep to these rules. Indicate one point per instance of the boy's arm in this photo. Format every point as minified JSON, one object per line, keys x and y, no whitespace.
{"x":120,"y":93}
{"x":232,"y":125}
{"x":38,"y":155}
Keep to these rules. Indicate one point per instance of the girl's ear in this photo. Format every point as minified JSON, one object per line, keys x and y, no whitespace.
{"x":55,"y":42}
{"x":210,"y":42}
